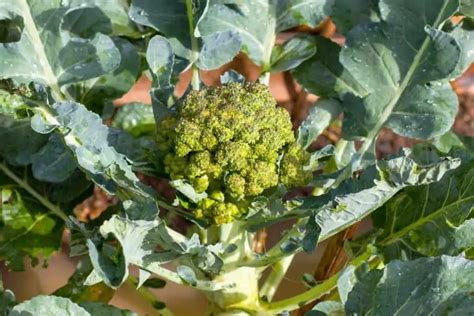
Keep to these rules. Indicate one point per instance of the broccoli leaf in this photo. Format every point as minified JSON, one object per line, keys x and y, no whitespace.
{"x":135,"y":118}
{"x":258,"y":22}
{"x":326,"y":215}
{"x":87,"y":137}
{"x":211,"y":51}
{"x":432,"y":219}
{"x":434,"y":286}
{"x":466,"y":7}
{"x":319,"y":118}
{"x":292,"y":53}
{"x":397,"y":62}
{"x":324,"y":75}
{"x":464,"y":34}
{"x":66,"y":58}
{"x":346,"y":14}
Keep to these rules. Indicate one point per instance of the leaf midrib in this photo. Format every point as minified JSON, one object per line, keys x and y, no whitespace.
{"x":399,"y":92}
{"x":38,"y":46}
{"x":396,"y":236}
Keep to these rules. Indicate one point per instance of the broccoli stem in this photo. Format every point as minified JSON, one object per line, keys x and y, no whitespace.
{"x":275,"y":277}
{"x":318,"y":291}
{"x":243,"y":297}
{"x":195,"y":81}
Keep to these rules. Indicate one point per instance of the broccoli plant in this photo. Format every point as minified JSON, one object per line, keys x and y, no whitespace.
{"x":236,"y":163}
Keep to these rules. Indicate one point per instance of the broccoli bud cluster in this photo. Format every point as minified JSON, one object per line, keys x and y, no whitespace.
{"x":229,"y":142}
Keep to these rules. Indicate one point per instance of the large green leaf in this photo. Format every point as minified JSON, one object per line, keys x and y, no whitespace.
{"x":396,"y":61}
{"x":48,"y":52}
{"x":432,"y":219}
{"x":346,"y":14}
{"x":394,"y":175}
{"x":257,"y":22}
{"x":467,"y":8}
{"x":116,"y":11}
{"x":48,"y":305}
{"x":324,"y":75}
{"x":427,"y":286}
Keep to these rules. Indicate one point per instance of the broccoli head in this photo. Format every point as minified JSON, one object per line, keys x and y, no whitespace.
{"x":232,"y":142}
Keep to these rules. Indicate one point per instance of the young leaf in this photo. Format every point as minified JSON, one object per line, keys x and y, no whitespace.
{"x":426,"y":286}
{"x":135,"y":118}
{"x":78,"y":291}
{"x":218,"y":49}
{"x":292,"y":53}
{"x":319,"y":118}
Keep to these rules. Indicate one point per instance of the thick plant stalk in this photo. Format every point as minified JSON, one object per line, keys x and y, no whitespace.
{"x":243,"y":296}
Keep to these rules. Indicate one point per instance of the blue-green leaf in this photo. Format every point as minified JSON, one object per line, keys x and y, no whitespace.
{"x":324,"y":75}
{"x":427,"y":286}
{"x":49,"y":54}
{"x":396,"y":61}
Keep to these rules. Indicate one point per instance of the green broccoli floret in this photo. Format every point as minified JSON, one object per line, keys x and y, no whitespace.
{"x":230,"y":140}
